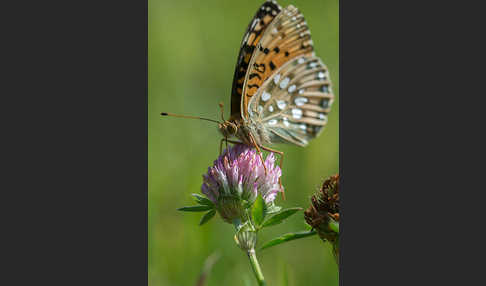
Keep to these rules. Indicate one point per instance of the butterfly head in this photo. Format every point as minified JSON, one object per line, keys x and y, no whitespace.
{"x":228,"y":128}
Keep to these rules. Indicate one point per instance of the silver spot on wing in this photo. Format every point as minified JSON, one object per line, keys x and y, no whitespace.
{"x":284,"y":82}
{"x":266,"y":96}
{"x":297,"y":113}
{"x":299,"y":101}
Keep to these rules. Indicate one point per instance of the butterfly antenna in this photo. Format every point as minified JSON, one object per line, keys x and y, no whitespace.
{"x":187,"y":116}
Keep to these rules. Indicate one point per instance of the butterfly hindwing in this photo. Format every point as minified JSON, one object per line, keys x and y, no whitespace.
{"x":293,"y":103}
{"x":253,"y":34}
{"x":286,"y":38}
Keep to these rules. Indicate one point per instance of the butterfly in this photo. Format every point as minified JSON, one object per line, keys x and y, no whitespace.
{"x":281,"y":90}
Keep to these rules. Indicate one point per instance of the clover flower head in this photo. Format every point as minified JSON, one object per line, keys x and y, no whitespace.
{"x":237,"y":177}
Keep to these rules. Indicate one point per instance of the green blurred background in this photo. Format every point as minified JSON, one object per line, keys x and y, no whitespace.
{"x":192,"y":50}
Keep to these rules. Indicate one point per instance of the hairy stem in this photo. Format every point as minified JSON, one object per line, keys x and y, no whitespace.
{"x":256,"y":267}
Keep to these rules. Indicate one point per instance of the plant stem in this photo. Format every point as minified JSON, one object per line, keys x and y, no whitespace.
{"x":335,"y":250}
{"x":256,"y":267}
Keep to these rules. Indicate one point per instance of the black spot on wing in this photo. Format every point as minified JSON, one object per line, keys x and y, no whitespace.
{"x":250,"y":86}
{"x":255,"y":75}
{"x":272,"y":65}
{"x":259,"y":67}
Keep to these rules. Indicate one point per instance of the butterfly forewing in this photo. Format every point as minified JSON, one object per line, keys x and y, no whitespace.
{"x":292,"y":105}
{"x":286,"y":38}
{"x":253,"y":34}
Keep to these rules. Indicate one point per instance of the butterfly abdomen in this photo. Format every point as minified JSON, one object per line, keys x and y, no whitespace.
{"x":257,"y":130}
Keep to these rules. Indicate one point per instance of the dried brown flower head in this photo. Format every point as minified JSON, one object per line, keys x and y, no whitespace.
{"x":324,"y":209}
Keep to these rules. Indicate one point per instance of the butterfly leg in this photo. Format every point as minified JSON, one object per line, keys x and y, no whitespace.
{"x":253,"y":141}
{"x":275,"y":151}
{"x":280,"y":164}
{"x":221,"y":146}
{"x":221,"y":106}
{"x":226,"y":140}
{"x":234,"y":142}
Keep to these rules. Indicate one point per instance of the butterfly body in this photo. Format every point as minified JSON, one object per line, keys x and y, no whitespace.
{"x":248,"y":132}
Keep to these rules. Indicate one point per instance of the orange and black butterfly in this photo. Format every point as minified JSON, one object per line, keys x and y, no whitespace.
{"x":281,"y":90}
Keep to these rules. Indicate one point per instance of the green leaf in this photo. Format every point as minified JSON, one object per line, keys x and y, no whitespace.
{"x":195,"y":209}
{"x":202,"y":200}
{"x":288,"y":237}
{"x":334,"y":226}
{"x":209,"y":215}
{"x":273,"y":209}
{"x":279,"y":217}
{"x":258,"y":210}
